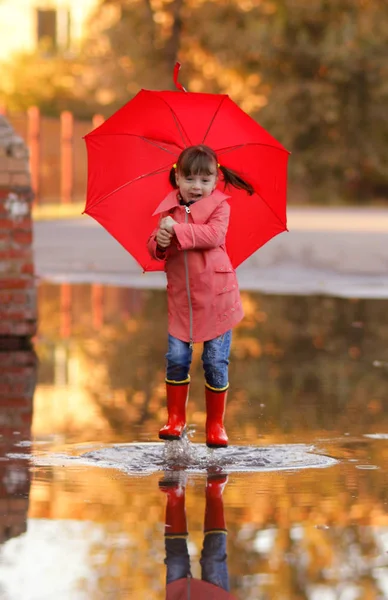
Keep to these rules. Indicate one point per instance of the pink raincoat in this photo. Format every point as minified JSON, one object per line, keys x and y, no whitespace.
{"x":203,"y":296}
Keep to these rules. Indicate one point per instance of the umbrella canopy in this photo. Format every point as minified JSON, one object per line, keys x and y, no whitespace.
{"x":131,"y":153}
{"x":194,"y":589}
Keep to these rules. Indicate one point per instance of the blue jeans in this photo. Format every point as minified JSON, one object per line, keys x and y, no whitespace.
{"x":213,"y":560}
{"x":215,"y":360}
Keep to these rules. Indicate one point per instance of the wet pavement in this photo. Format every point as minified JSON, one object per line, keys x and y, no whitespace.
{"x":306,"y":501}
{"x":334,"y":251}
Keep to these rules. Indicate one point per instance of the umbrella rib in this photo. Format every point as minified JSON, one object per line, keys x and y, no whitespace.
{"x":226,"y":150}
{"x":157,"y":172}
{"x":145,"y":139}
{"x":231,"y":148}
{"x":272,"y":210}
{"x":178,"y":124}
{"x":152,"y":143}
{"x":212,"y":120}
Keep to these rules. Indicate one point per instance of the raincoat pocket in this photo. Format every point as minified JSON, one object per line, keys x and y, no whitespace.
{"x":225,"y":279}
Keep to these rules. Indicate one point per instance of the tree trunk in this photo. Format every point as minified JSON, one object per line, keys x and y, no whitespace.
{"x":172,"y":47}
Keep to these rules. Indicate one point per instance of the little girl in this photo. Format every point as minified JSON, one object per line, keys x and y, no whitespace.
{"x":203,"y":296}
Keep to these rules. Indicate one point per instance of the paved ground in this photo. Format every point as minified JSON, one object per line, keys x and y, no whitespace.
{"x":336,"y":251}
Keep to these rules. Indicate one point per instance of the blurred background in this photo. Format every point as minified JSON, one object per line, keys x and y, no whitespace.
{"x":314,"y":73}
{"x":309,"y":367}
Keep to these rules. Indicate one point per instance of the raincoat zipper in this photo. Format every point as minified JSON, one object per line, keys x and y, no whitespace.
{"x":187,"y":209}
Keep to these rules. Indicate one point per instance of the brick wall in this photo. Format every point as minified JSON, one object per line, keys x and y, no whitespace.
{"x":17,"y":283}
{"x":17,"y":384}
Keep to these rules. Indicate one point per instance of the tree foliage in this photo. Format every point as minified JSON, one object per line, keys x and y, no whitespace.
{"x":315,"y":74}
{"x":53,"y":82}
{"x":327,"y":64}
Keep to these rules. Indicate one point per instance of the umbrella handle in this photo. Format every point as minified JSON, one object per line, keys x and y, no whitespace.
{"x":178,"y":85}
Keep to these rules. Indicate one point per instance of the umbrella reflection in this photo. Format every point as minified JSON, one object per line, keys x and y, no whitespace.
{"x":214,"y":583}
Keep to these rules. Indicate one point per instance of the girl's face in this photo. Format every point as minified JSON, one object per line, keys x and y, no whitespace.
{"x":194,"y":187}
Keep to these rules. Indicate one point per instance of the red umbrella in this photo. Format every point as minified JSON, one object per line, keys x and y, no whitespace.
{"x":194,"y":589}
{"x":132,"y":152}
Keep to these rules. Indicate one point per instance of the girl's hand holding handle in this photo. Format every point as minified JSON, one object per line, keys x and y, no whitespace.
{"x":163,"y":238}
{"x":167,"y":224}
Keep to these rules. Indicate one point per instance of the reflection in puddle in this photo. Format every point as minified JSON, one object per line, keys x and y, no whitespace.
{"x":214,"y":561}
{"x":17,"y":379}
{"x":65,"y":569}
{"x":308,"y":391}
{"x":300,"y":367}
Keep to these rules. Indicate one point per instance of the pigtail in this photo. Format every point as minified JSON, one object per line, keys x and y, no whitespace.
{"x":171,"y":177}
{"x":232,"y":178}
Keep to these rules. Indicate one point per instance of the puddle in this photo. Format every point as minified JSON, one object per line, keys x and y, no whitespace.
{"x":376,"y":436}
{"x":305,"y":502}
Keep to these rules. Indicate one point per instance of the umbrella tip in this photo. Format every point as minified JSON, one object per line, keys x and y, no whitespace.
{"x":178,"y":85}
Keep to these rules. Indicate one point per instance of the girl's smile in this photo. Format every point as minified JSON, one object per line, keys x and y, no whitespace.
{"x":195,"y":187}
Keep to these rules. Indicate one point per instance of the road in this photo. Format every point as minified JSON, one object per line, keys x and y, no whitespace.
{"x":335,"y":251}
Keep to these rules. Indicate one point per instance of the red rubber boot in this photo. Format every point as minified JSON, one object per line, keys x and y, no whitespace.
{"x":176,"y":521}
{"x":177,"y":394}
{"x":215,"y":409}
{"x":214,"y":510}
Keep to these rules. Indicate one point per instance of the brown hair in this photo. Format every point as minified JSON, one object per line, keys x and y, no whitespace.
{"x":200,"y":159}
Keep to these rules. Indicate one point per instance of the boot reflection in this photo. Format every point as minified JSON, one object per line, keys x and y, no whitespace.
{"x":214,"y":558}
{"x":175,"y":531}
{"x":214,"y":583}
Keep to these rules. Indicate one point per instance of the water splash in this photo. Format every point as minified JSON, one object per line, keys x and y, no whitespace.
{"x":197,"y":458}
{"x":179,"y":453}
{"x":184,"y":456}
